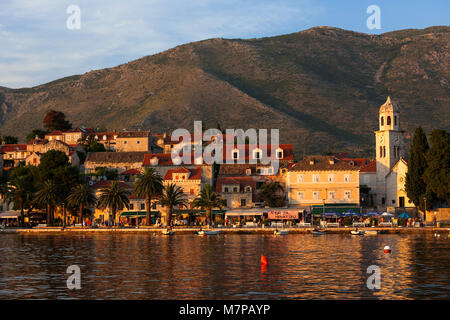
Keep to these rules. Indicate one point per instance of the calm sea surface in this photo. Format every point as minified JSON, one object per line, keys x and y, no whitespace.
{"x":138,"y":266}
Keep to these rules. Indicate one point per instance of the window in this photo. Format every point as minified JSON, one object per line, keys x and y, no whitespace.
{"x":346,"y":178}
{"x":225,"y":202}
{"x":300,"y":178}
{"x":395,"y":120}
{"x":382,"y":121}
{"x":366,"y":180}
{"x":388,"y":121}
{"x":177,"y":177}
{"x":225,"y":189}
{"x":316,"y":195}
{"x":331,"y":195}
{"x":270,"y":170}
{"x":235,"y":154}
{"x":138,"y":142}
{"x":347,"y":195}
{"x":154,"y":205}
{"x":315,"y":178}
{"x":381,"y":152}
{"x":142,"y":206}
{"x":68,"y":138}
{"x":243,"y":202}
{"x":331,"y":178}
{"x":257,"y":154}
{"x":279,"y":154}
{"x":131,"y":206}
{"x":235,"y":189}
{"x":248,"y":189}
{"x":191,"y":191}
{"x":248,"y":171}
{"x":125,"y":142}
{"x":300,"y":196}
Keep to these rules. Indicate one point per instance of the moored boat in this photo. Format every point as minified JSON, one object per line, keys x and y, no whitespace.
{"x":281,"y":232}
{"x":357,"y":232}
{"x":168,"y":232}
{"x":208,"y":232}
{"x":371,"y":232}
{"x":318,"y":232}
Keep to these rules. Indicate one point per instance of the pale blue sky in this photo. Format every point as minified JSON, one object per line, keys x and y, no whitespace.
{"x":36,"y":46}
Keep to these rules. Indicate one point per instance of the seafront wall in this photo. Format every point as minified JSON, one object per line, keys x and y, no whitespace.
{"x":68,"y":230}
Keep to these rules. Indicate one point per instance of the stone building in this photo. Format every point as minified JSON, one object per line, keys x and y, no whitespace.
{"x":121,"y":161}
{"x":132,"y":141}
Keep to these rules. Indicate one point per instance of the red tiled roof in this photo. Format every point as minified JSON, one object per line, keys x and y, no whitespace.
{"x":13,"y":147}
{"x":103,"y":183}
{"x":195,"y":174}
{"x":131,"y":172}
{"x":370,"y":167}
{"x":164,"y":159}
{"x":322,"y":163}
{"x":55,"y":133}
{"x":360,"y":162}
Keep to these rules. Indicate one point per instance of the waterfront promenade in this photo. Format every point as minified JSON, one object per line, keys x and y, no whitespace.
{"x":227,"y":230}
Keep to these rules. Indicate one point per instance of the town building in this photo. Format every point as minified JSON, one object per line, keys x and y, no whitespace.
{"x":323,"y":180}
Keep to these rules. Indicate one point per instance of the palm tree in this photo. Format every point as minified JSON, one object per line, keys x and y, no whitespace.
{"x":81,"y":196}
{"x":114,"y":197}
{"x":208,"y":200}
{"x":172,"y":196}
{"x":270,"y":194}
{"x":48,"y":196}
{"x":148,"y":185}
{"x":20,"y":193}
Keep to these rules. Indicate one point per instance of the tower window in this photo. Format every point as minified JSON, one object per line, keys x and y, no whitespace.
{"x":384,"y":152}
{"x":381,"y":152}
{"x":395,"y":120}
{"x":388,"y":121}
{"x":382,"y":121}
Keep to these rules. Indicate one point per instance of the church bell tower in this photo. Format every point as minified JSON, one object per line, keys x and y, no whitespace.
{"x":390,"y":145}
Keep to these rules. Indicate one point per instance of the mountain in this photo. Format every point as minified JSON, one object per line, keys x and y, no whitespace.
{"x":322,"y":87}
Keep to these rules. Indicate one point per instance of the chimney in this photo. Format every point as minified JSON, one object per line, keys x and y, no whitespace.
{"x":331,"y":161}
{"x":311,"y":162}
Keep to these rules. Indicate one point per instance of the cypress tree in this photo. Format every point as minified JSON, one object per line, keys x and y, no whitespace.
{"x":437,"y":174}
{"x":415,"y":185}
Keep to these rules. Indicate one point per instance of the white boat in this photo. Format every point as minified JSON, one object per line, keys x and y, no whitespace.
{"x":168,"y":232}
{"x":208,"y":232}
{"x":357,"y":232}
{"x":281,"y":232}
{"x":318,"y":232}
{"x":371,"y":232}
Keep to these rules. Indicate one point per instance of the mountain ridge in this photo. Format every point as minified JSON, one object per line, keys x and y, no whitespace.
{"x":322,"y":86}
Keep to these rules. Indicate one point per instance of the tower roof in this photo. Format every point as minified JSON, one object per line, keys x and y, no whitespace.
{"x":389,"y":106}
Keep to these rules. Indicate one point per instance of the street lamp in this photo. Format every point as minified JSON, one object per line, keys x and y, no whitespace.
{"x":323,"y":212}
{"x":425,"y":210}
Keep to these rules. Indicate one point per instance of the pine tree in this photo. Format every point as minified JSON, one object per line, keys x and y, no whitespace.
{"x":437,"y":174}
{"x":417,"y":164}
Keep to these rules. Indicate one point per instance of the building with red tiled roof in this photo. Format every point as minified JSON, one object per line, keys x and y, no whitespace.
{"x":13,"y":154}
{"x":238,"y":192}
{"x":189,"y":179}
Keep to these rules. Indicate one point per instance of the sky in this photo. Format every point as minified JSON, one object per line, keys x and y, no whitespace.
{"x":40,"y":40}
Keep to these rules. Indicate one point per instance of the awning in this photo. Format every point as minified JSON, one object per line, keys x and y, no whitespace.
{"x":245,"y":212}
{"x":10,"y":215}
{"x":137,"y":214}
{"x":317,"y":210}
{"x":283,"y":214}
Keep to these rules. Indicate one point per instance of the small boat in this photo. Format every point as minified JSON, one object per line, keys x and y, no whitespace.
{"x":318,"y":232}
{"x":371,"y":232}
{"x":168,"y":232}
{"x":208,"y":232}
{"x":281,"y":232}
{"x":357,"y":232}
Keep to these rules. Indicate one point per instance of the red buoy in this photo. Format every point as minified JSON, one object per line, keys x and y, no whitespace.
{"x":387,"y":249}
{"x":263,"y":260}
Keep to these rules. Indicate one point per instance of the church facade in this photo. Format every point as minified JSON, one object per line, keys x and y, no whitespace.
{"x":391,"y":165}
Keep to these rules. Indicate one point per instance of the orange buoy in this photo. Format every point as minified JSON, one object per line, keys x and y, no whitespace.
{"x":387,"y":249}
{"x":263,"y":260}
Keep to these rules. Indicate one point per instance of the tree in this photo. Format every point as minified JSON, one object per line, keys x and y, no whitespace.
{"x":81,"y":196}
{"x":56,"y":120}
{"x":148,"y":185}
{"x":50,"y":161}
{"x":114,"y":197}
{"x":10,"y":139}
{"x":417,"y":164}
{"x":270,"y":194}
{"x":36,"y":133}
{"x":90,"y":144}
{"x":109,"y":174}
{"x":49,"y":196}
{"x":19,"y":191}
{"x":208,"y":200}
{"x":437,"y":174}
{"x":172,"y":196}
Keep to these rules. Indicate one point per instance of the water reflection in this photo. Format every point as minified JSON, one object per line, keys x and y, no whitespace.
{"x":138,"y":266}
